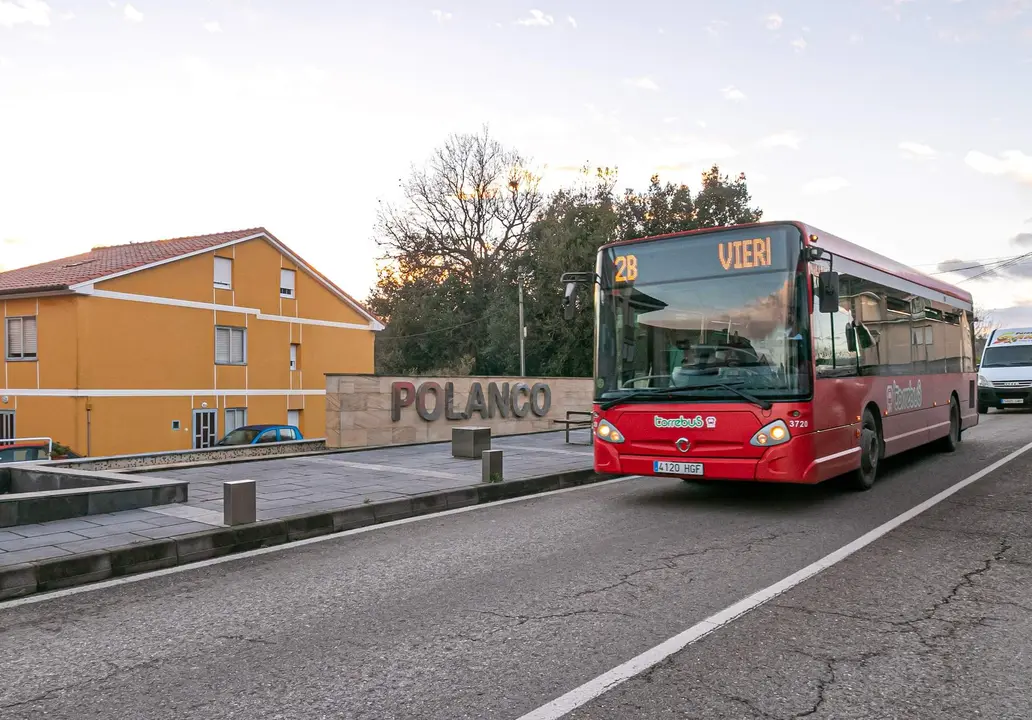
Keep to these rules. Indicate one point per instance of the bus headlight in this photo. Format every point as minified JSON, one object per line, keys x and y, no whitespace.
{"x":775,"y":433}
{"x":608,"y":432}
{"x":982,"y":382}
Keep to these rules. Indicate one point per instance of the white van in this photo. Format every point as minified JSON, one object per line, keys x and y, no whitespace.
{"x":1005,"y":371}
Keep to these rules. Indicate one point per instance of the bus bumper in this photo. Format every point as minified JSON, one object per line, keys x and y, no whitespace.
{"x":789,"y":463}
{"x":1001,"y":398}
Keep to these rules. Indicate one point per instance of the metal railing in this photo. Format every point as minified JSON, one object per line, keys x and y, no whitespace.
{"x":11,"y":442}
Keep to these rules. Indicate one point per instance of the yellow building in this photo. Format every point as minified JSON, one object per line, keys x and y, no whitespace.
{"x":170,"y":344}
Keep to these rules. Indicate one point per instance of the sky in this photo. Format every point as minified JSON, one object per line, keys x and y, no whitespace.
{"x":901,"y":125}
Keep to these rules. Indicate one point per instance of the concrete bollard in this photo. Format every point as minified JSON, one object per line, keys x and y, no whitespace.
{"x":470,"y":442}
{"x":491,"y":471}
{"x":239,"y":502}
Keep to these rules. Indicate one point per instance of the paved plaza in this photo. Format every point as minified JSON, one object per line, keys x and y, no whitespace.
{"x":296,"y":486}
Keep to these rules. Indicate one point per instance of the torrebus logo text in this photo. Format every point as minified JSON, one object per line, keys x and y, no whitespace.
{"x":683,"y":422}
{"x":899,"y":399}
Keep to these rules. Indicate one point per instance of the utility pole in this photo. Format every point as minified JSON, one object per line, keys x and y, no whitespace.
{"x":523,"y":334}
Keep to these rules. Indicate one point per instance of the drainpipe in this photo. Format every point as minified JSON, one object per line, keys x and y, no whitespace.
{"x":89,"y":434}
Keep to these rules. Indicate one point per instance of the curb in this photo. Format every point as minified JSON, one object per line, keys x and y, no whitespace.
{"x":85,"y":568}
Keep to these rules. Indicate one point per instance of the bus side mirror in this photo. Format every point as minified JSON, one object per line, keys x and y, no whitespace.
{"x":851,"y":337}
{"x":829,"y":298}
{"x":569,"y":306}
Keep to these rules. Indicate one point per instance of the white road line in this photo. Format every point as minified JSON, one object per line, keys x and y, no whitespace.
{"x":187,"y":512}
{"x":398,"y":469}
{"x":635,"y":666}
{"x":556,"y":451}
{"x":93,"y":587}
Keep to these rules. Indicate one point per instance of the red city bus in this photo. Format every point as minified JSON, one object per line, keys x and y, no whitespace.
{"x":772,"y":352}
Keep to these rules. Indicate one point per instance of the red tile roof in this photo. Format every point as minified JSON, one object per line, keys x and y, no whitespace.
{"x":103,"y":261}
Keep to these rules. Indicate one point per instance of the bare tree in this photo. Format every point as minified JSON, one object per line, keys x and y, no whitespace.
{"x":466,"y":213}
{"x":985,"y":323}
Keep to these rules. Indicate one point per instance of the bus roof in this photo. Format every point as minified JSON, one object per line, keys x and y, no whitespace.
{"x":838,"y":246}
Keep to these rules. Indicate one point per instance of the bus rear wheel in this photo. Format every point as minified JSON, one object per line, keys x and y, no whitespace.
{"x":870,"y":454}
{"x":951,"y":441}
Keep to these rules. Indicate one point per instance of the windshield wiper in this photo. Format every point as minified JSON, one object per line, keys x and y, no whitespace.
{"x":683,"y":391}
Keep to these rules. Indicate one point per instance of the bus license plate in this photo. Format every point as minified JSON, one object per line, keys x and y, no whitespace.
{"x":1013,"y":401}
{"x":662,"y":467}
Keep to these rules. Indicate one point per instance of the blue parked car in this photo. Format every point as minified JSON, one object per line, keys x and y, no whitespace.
{"x":261,"y":434}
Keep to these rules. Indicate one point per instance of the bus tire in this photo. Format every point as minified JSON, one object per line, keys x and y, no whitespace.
{"x":952,"y":440}
{"x":862,"y":479}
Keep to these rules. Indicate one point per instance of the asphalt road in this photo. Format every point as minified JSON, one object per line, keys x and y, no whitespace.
{"x":492,"y":613}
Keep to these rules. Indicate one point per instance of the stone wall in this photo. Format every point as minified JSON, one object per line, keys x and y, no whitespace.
{"x":114,"y":463}
{"x":364,"y":410}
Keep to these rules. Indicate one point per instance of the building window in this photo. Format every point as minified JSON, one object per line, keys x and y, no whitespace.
{"x":293,"y":356}
{"x":293,"y":419}
{"x":230,"y":346}
{"x":286,"y":283}
{"x":21,"y":338}
{"x":223,"y":273}
{"x":235,"y":418}
{"x":7,"y":425}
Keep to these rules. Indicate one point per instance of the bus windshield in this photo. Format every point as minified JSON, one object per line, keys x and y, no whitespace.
{"x":708,"y":314}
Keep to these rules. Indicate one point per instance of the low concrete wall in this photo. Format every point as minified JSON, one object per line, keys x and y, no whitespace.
{"x":364,"y":410}
{"x":176,"y":457}
{"x":41,"y":492}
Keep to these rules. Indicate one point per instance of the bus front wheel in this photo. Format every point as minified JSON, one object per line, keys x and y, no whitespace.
{"x":870,"y":454}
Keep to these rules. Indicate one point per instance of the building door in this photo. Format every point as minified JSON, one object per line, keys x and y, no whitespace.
{"x":6,"y":425}
{"x":205,"y":429}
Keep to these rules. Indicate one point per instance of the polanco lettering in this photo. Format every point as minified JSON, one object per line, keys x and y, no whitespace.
{"x":901,"y":399}
{"x":501,"y":400}
{"x":679,"y":422}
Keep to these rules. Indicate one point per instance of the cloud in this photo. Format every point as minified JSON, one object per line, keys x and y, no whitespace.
{"x":537,"y":18}
{"x":441,"y":16}
{"x":732,"y":93}
{"x":855,"y":38}
{"x":132,"y":14}
{"x":27,"y":12}
{"x":799,"y":44}
{"x":692,"y":150}
{"x":822,"y":186}
{"x":714,"y":27}
{"x":645,"y":83}
{"x":917,"y":151}
{"x":997,"y":269}
{"x":701,"y":123}
{"x":213,"y":26}
{"x":572,"y":20}
{"x":1010,"y":163}
{"x":789,"y":140}
{"x":774,"y":21}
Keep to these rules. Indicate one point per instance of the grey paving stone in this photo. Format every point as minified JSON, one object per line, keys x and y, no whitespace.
{"x":173,"y":530}
{"x":39,"y":541}
{"x":43,"y":552}
{"x":5,"y":536}
{"x":49,"y":528}
{"x":101,"y":543}
{"x":106,"y":530}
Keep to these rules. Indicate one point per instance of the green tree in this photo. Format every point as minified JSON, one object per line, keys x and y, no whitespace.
{"x":452,"y":247}
{"x":566,"y":237}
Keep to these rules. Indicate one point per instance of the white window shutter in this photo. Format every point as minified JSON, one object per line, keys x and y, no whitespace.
{"x":287,"y":283}
{"x":223,"y":273}
{"x":293,"y":357}
{"x":29,"y":337}
{"x":222,"y":345}
{"x":236,"y":354}
{"x":14,"y":337}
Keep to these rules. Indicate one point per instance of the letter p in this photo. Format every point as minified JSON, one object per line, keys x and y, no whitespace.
{"x":403,"y":394}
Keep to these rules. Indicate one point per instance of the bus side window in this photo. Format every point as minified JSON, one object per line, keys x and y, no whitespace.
{"x":832,"y":354}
